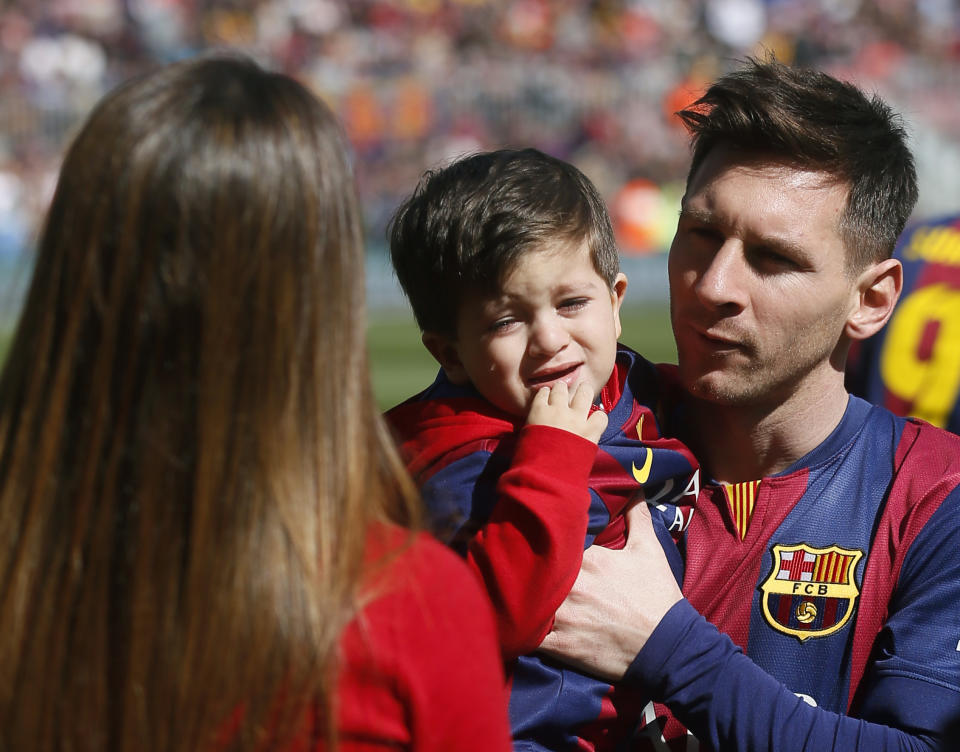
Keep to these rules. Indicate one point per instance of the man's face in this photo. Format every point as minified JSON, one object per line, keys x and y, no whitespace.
{"x":553,"y":319}
{"x":759,"y":293}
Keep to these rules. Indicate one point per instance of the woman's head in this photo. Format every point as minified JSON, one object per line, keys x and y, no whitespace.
{"x":205,"y":222}
{"x":189,"y":452}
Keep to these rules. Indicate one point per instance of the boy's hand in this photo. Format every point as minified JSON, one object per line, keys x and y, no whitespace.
{"x":553,"y":406}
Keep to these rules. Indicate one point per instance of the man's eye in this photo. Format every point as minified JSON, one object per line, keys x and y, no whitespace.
{"x":768,"y":258}
{"x":705,"y":233}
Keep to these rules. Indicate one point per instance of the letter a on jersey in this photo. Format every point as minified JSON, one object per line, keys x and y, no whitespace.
{"x":810,"y":592}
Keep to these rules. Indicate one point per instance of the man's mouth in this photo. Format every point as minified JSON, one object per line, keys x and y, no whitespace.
{"x":719,"y":341}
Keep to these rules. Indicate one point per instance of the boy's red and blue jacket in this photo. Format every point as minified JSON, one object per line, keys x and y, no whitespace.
{"x":522,"y":502}
{"x":837,"y":585}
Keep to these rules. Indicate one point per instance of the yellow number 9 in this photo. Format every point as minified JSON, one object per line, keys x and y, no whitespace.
{"x":930,"y":385}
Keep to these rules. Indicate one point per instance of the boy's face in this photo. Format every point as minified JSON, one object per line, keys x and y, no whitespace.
{"x":554,"y":319}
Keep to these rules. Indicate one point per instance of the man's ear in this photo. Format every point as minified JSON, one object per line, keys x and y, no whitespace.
{"x":878,"y":289}
{"x":445,"y":351}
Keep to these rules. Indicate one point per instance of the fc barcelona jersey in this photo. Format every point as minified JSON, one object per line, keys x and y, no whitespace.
{"x":839,"y":579}
{"x":479,"y":472}
{"x":912,"y":366}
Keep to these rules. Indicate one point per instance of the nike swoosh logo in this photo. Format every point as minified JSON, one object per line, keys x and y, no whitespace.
{"x":643,"y":473}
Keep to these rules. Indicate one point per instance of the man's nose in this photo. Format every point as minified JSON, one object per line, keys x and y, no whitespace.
{"x":721,"y":283}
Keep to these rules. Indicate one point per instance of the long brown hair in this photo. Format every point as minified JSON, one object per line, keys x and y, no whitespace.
{"x":190,"y":455}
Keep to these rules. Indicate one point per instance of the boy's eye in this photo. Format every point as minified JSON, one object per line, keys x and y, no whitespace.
{"x":573,"y":304}
{"x":502,"y":324}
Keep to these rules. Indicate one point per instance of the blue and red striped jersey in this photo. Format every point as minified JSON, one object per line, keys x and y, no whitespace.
{"x":840,"y":599}
{"x":521,"y":503}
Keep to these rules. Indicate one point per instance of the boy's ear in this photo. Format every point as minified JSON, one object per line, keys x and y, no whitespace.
{"x":617,"y":292}
{"x":878,"y":289}
{"x":444,"y":350}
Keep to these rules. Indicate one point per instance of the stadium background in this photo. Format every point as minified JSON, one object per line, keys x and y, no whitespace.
{"x":419,"y":81}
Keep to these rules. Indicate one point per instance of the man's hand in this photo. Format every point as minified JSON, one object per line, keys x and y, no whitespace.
{"x":553,"y":406}
{"x":617,"y":601}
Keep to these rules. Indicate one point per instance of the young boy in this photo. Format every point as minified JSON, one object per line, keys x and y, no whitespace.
{"x":510,"y":265}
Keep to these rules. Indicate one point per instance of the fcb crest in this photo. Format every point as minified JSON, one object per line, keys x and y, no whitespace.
{"x":810,"y":592}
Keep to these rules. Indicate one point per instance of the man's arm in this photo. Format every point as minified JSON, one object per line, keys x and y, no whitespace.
{"x":625,"y":620}
{"x":615,"y":604}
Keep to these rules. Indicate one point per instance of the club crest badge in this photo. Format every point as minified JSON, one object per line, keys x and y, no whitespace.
{"x":810,"y":592}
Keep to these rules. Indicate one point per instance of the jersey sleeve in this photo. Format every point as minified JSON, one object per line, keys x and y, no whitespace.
{"x":913,"y":679}
{"x":526,"y":531}
{"x":422,"y":667}
{"x":728,"y":702}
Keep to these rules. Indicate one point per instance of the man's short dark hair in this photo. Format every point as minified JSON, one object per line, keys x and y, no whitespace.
{"x":466,"y":225}
{"x":811,"y":120}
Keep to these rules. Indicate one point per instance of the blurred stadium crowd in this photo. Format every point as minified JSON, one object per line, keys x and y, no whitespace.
{"x":419,"y":81}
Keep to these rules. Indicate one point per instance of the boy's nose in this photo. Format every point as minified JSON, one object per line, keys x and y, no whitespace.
{"x":548,"y":338}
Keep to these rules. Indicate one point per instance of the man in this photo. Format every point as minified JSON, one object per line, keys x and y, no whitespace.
{"x":825,"y":537}
{"x":912,"y":367}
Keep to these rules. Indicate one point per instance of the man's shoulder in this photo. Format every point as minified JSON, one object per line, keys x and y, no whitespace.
{"x":930,"y":449}
{"x":916,"y":439}
{"x":925,"y":459}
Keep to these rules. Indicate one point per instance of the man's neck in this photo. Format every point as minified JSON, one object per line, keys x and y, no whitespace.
{"x":741,"y":443}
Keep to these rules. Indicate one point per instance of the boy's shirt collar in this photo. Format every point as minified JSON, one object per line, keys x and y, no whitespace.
{"x":613,"y":390}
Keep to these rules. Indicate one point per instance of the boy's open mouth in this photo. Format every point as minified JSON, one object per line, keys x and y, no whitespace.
{"x":556,"y":374}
